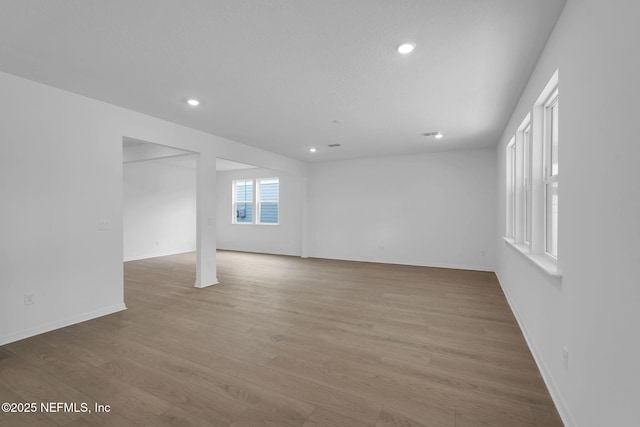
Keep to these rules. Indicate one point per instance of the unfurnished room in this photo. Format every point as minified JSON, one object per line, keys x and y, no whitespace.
{"x":319,"y":213}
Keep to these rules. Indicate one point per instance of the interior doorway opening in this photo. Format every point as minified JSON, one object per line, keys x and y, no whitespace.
{"x":163,"y":187}
{"x":159,"y":202}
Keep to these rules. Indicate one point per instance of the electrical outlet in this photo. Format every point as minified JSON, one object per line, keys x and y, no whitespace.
{"x":104,"y":224}
{"x":565,"y":357}
{"x":29,"y":299}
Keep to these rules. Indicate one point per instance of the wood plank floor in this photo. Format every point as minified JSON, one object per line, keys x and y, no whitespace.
{"x":284,"y":341}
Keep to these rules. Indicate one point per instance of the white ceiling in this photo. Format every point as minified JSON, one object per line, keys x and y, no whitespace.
{"x":275,"y":74}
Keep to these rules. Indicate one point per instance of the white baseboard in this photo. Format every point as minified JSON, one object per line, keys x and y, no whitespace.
{"x":205,"y":285}
{"x":556,"y":396}
{"x":416,"y":264}
{"x":158,"y":254}
{"x":374,"y":260}
{"x":252,"y":251}
{"x":47,"y":327}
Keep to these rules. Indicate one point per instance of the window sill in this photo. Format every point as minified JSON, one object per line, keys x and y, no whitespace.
{"x":546,"y":265}
{"x":251,"y":223}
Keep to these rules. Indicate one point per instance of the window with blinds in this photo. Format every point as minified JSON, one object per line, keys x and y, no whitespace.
{"x":266,"y":199}
{"x":243,"y":201}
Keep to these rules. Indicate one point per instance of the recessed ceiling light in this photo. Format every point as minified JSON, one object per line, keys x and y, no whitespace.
{"x":437,"y":135}
{"x":193,"y":102}
{"x":312,"y":150}
{"x":405,"y":48}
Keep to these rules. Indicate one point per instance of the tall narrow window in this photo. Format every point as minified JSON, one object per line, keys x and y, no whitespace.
{"x":551,"y":174}
{"x":243,"y":201}
{"x":511,"y":189}
{"x":268,"y":200}
{"x":526,"y":182}
{"x":532,"y":183}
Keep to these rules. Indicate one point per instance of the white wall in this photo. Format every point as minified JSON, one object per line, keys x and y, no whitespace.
{"x":594,"y":309}
{"x":159,"y":209}
{"x":285,"y":238}
{"x":60,"y":173}
{"x":430,"y":209}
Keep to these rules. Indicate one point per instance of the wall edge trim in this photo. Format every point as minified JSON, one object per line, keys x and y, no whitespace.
{"x":554,"y":391}
{"x":51,"y":326}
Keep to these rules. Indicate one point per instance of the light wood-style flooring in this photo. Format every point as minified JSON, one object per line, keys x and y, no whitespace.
{"x":284,"y":341}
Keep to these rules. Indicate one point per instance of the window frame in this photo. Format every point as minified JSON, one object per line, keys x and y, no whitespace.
{"x":256,"y":203}
{"x":526,"y":181}
{"x":530,"y":180}
{"x":550,"y":179}
{"x":511,"y":189}
{"x":260,"y":202}
{"x":234,"y":203}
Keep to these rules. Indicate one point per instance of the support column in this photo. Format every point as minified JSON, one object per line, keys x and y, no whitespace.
{"x":206,"y":206}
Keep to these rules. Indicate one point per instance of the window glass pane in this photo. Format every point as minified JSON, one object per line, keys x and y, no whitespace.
{"x":244,"y":191}
{"x":513,"y":190}
{"x":526,"y":182}
{"x":509,"y":216}
{"x":269,"y":189}
{"x":525,"y":157}
{"x":527,"y":217}
{"x":244,"y":212}
{"x":554,"y":139}
{"x":269,"y":213}
{"x":552,"y":218}
{"x":510,"y":189}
